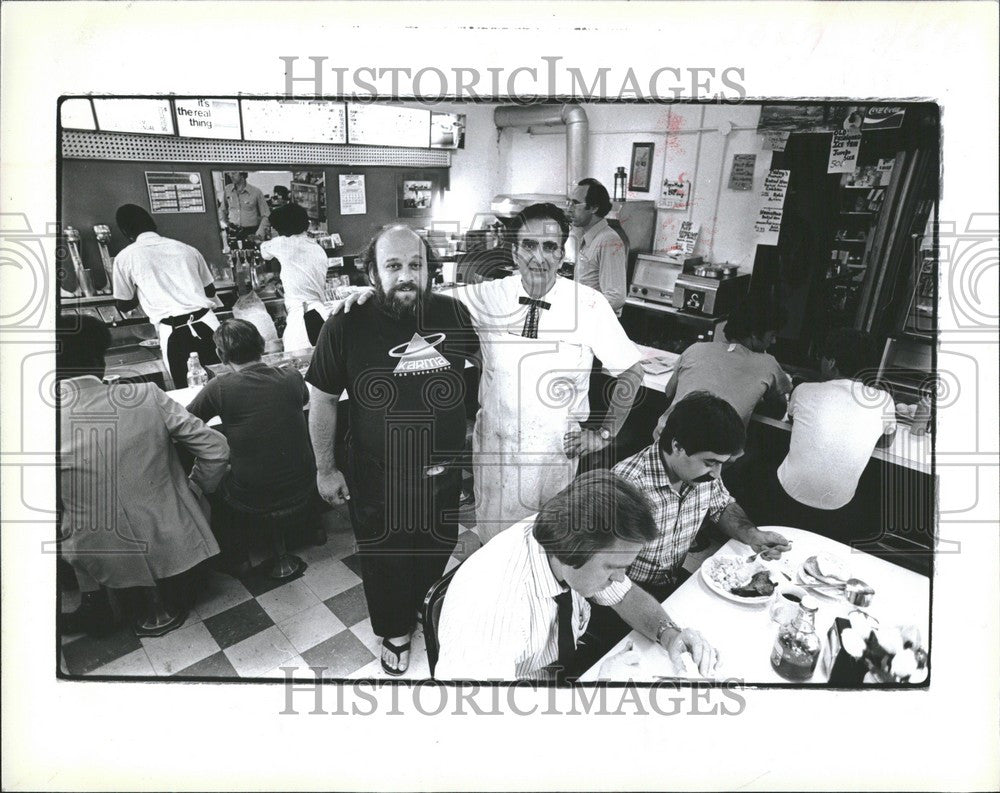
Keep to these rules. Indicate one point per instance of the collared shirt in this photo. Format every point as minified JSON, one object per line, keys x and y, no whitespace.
{"x":303,"y":268}
{"x":246,"y":207}
{"x":168,"y":276}
{"x":601,"y":261}
{"x":500,"y":619}
{"x":678,"y":514}
{"x":578,"y":325}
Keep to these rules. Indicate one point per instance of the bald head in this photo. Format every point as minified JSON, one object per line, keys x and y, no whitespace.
{"x":398,"y":268}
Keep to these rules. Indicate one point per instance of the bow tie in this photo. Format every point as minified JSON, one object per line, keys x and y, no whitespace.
{"x":530,"y":301}
{"x":530,"y":330}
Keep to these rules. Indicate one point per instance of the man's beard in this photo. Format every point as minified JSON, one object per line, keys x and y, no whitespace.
{"x":397,"y":307}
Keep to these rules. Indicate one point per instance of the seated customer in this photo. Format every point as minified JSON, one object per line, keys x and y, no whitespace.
{"x":836,"y":425}
{"x":130,"y":518}
{"x":740,"y":370}
{"x":272,"y":467}
{"x":517,"y":606}
{"x":681,"y":476}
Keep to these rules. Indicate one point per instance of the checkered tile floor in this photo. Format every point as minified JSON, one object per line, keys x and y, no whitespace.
{"x":251,"y":628}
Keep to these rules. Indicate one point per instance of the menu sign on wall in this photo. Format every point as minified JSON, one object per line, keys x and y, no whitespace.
{"x":175,"y":191}
{"x":294,"y":120}
{"x":767,"y":227}
{"x":207,"y":118}
{"x":149,"y":116}
{"x":741,"y":174}
{"x":844,"y":147}
{"x":387,"y":125}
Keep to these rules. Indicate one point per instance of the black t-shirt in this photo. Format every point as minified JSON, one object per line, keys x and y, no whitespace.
{"x":404,"y":379}
{"x":261,"y":410}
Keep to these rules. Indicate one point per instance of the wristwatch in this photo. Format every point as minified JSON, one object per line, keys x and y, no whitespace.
{"x":605,"y":433}
{"x":665,"y":623}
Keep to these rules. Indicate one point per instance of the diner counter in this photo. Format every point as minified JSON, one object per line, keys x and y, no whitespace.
{"x":907,"y":450}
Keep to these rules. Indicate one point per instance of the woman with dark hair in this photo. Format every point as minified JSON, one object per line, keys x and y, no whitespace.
{"x":271,"y":467}
{"x":303,"y":275}
{"x":129,"y":516}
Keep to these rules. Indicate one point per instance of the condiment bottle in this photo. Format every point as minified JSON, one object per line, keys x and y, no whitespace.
{"x":796,"y":647}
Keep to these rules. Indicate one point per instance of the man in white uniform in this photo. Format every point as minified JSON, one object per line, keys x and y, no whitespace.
{"x":303,"y":275}
{"x":174,"y":286}
{"x":539,"y":334}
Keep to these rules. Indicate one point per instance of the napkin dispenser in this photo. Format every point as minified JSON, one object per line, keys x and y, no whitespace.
{"x":710,"y":296}
{"x":842,"y":667}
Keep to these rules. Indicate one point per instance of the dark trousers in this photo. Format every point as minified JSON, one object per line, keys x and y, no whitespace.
{"x":314,"y":324}
{"x":606,"y":629}
{"x":406,"y":527}
{"x":182,"y":342}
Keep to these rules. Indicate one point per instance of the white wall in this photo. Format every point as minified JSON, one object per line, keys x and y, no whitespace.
{"x":536,"y":163}
{"x":474,"y":169}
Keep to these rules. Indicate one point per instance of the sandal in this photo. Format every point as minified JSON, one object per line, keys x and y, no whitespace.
{"x":398,"y":652}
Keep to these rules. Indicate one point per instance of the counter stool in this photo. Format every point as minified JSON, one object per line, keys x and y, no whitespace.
{"x":276,"y":523}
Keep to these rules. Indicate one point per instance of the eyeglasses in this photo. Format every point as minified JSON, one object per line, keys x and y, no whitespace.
{"x":549,"y":247}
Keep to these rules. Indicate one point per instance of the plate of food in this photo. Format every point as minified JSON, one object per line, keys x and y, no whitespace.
{"x":734,"y":578}
{"x":826,"y":573}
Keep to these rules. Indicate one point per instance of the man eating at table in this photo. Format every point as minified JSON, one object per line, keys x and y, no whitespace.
{"x":517,"y":606}
{"x":680,"y":474}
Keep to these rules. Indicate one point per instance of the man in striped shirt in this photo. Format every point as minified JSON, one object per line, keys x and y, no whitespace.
{"x":517,"y":607}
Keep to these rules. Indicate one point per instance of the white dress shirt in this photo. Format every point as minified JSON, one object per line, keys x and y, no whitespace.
{"x":500,"y":619}
{"x":602,"y":262}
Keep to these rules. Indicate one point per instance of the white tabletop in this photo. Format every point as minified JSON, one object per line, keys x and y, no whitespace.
{"x":744,"y":634}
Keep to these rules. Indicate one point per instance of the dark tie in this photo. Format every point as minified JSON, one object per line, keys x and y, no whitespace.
{"x":567,"y":645}
{"x":531,"y":321}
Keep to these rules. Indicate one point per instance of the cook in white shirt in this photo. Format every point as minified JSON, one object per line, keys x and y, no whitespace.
{"x":303,"y":275}
{"x":500,"y":618}
{"x":174,"y":286}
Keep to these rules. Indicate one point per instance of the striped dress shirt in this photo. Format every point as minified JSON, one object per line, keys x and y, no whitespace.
{"x":678,"y":514}
{"x":500,"y":619}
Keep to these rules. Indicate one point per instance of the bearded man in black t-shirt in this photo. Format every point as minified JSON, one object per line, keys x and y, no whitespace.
{"x":401,"y":359}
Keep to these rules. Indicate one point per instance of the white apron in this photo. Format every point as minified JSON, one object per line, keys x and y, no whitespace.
{"x":163,"y":332}
{"x":531,"y":393}
{"x":295,"y":336}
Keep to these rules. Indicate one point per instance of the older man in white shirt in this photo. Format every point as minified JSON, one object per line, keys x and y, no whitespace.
{"x":517,"y":607}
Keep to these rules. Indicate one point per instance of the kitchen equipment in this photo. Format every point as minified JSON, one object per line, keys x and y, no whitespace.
{"x":709,"y":289}
{"x":103,"y":234}
{"x":84,"y":282}
{"x":654,"y":278}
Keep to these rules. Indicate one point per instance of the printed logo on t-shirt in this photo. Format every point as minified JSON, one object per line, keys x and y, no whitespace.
{"x":418,"y":355}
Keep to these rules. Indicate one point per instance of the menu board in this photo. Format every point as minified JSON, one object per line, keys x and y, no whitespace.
{"x":175,"y":191}
{"x":767,"y":226}
{"x":150,"y":116}
{"x":207,"y":118}
{"x":77,"y":113}
{"x":293,"y":120}
{"x":387,"y":125}
{"x":741,"y":174}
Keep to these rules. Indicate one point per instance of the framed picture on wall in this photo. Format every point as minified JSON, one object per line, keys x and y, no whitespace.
{"x":642,"y":167}
{"x":414,"y":197}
